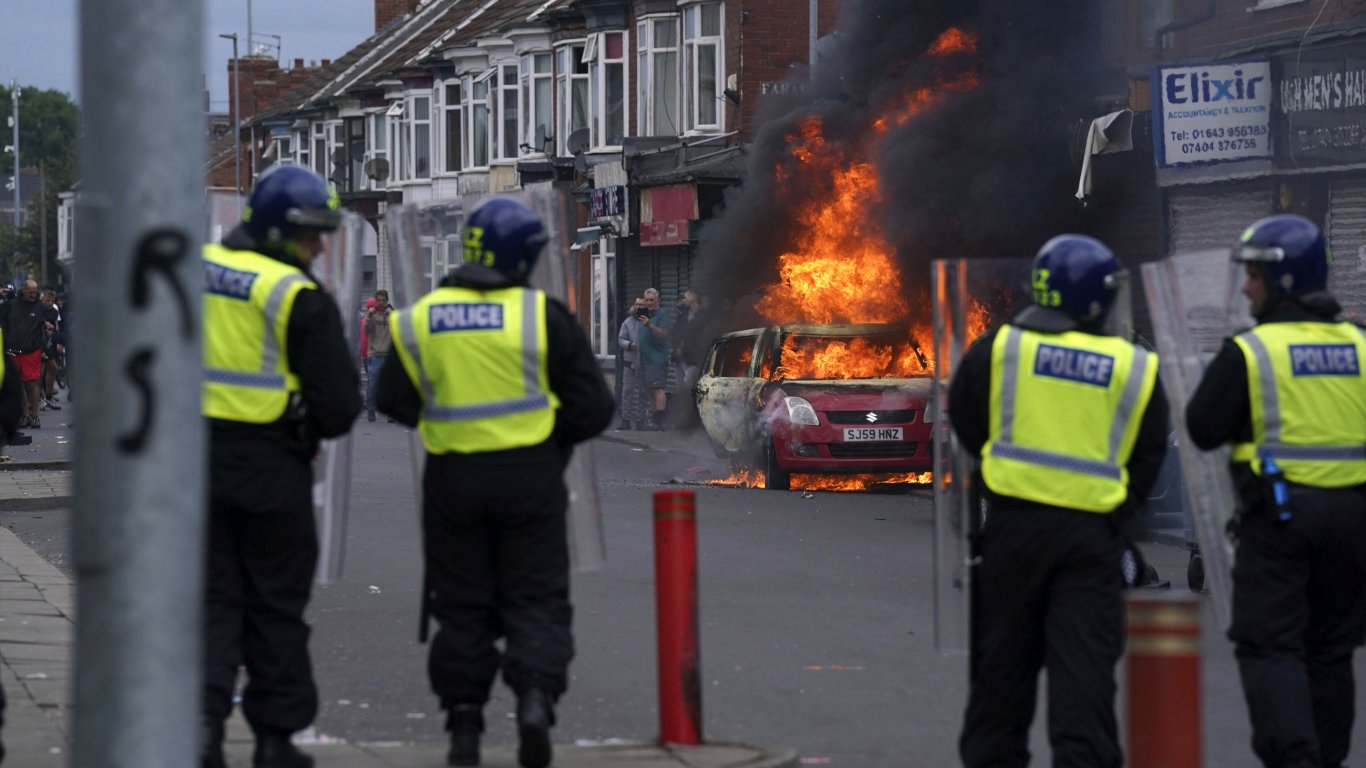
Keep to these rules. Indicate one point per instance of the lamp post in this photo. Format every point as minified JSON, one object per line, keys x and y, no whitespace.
{"x":14,"y":121}
{"x":236,"y":122}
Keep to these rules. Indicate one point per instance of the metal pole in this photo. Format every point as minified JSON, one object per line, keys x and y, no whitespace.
{"x":680,"y":686}
{"x":812,"y":33}
{"x":250,"y":39}
{"x":139,"y":507}
{"x":14,"y":96}
{"x":1163,"y":679}
{"x":236,"y":121}
{"x":42,"y":222}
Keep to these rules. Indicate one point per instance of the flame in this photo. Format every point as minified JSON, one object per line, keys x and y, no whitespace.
{"x":748,"y":477}
{"x":807,"y":357}
{"x":842,"y":269}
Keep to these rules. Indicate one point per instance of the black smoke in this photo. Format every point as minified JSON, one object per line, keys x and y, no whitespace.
{"x":987,"y":173}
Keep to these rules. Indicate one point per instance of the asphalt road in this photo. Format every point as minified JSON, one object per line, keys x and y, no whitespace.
{"x":816,"y":618}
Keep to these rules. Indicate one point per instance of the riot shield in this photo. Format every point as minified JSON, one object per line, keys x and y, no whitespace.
{"x":1195,"y":304}
{"x":337,"y":270}
{"x":969,"y":297}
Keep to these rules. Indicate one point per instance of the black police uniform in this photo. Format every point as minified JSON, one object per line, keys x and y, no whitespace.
{"x":263,"y":543}
{"x":1299,"y":596}
{"x":1047,"y":592}
{"x":494,"y":537}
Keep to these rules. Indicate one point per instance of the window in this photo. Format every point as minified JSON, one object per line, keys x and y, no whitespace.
{"x":334,"y":164}
{"x":303,"y":157}
{"x":355,"y":155}
{"x":657,"y":103}
{"x":703,"y":68}
{"x":571,"y":92}
{"x":378,"y":144}
{"x":320,"y":149}
{"x":506,"y":113}
{"x":538,"y":93}
{"x":421,"y":127}
{"x":733,"y":357}
{"x":453,"y":121}
{"x":477,"y":113}
{"x":399,"y":146}
{"x":284,"y":149}
{"x":607,"y":75}
{"x":604,"y":333}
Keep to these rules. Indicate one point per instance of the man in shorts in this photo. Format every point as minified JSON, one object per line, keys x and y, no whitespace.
{"x":23,"y":328}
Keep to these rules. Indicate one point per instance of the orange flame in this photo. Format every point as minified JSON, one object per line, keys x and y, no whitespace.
{"x":842,"y":269}
{"x":806,"y":357}
{"x":754,"y":478}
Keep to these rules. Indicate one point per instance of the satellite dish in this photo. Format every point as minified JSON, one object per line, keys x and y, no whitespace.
{"x":577,"y":143}
{"x":339,"y":155}
{"x":543,"y":137}
{"x":377,"y":168}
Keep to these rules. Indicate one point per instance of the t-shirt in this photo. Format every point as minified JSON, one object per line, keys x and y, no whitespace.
{"x":654,"y":350}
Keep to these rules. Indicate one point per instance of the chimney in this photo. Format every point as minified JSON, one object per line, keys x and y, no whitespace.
{"x":298,"y":63}
{"x":388,"y":10}
{"x":326,"y":63}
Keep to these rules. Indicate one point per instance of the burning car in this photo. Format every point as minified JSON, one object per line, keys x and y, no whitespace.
{"x":818,"y":399}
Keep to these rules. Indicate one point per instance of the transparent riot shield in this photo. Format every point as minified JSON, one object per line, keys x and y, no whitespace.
{"x":337,"y":270}
{"x":1195,"y":304}
{"x":969,"y":298}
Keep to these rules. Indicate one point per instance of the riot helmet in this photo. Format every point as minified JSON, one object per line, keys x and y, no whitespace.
{"x":504,"y":235}
{"x":288,"y":202}
{"x":1078,"y":276}
{"x":1291,"y":253}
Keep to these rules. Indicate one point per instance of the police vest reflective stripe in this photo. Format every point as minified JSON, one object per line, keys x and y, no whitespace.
{"x":248,"y":298}
{"x":1065,"y":412}
{"x":1308,"y":401}
{"x":479,"y":360}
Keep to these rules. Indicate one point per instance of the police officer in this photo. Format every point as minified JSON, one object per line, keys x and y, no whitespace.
{"x":1071,"y":428}
{"x":1289,"y":395}
{"x":278,"y":376}
{"x":501,"y":382}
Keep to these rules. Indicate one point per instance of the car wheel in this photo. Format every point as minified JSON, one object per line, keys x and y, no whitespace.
{"x":775,"y":477}
{"x":1195,"y":572}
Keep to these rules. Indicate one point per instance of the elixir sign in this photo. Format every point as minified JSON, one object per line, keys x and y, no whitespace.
{"x":1212,"y":113}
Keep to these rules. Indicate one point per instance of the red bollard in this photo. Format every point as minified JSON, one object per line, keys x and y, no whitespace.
{"x":680,"y":687}
{"x":1164,"y":680}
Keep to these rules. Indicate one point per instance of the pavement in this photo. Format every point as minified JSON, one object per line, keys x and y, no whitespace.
{"x":37,"y":635}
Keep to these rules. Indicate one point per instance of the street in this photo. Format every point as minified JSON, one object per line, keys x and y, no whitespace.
{"x":816,"y":619}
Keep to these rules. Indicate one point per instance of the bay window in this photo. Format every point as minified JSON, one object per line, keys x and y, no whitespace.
{"x":606,"y":57}
{"x":538,"y":91}
{"x":571,"y":91}
{"x":477,"y":113}
{"x":453,"y":122}
{"x":377,"y":145}
{"x":421,"y":136}
{"x":505,"y":111}
{"x":657,"y":103}
{"x":703,"y":67}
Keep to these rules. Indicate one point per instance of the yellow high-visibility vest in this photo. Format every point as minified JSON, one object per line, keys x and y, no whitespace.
{"x":1308,"y":401}
{"x":247,"y":301}
{"x":1065,"y":413}
{"x":479,"y":360}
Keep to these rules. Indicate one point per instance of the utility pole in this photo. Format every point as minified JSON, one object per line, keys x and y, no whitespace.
{"x":42,"y":221}
{"x":139,"y":507}
{"x":14,"y":121}
{"x":236,"y":121}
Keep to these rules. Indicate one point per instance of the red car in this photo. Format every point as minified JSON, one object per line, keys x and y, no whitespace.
{"x":818,"y":399}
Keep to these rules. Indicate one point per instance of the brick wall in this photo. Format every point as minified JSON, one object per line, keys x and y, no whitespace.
{"x":768,"y":46}
{"x":388,"y":10}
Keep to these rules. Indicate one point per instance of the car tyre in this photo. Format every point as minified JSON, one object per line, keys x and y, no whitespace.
{"x":775,"y":477}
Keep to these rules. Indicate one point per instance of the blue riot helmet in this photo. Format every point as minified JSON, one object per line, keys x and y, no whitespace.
{"x":1078,"y":276}
{"x":504,"y":235}
{"x":287,"y":202}
{"x":1291,"y":252}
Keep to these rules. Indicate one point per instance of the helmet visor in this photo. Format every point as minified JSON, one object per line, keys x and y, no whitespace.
{"x":1257,"y":254}
{"x":315,"y":218}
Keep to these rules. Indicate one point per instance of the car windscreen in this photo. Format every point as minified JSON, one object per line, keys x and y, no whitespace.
{"x":816,"y":356}
{"x":733,"y":356}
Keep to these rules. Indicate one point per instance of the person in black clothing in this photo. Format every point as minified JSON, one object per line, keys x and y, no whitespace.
{"x":24,"y":345}
{"x":1050,"y":403}
{"x":263,"y":545}
{"x":494,"y":529}
{"x":1299,"y":579}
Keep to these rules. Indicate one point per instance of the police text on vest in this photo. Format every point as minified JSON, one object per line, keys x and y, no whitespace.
{"x":228,"y":282}
{"x":1324,"y":360}
{"x":1074,"y":365}
{"x":465,"y":317}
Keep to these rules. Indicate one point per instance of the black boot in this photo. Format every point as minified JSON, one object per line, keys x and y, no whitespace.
{"x":535,"y":715}
{"x":275,"y":750}
{"x":466,"y":723}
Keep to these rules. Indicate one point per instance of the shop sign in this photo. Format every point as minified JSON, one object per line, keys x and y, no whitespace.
{"x":1323,"y":107}
{"x":1212,"y":113}
{"x":608,"y":201}
{"x":664,"y":233}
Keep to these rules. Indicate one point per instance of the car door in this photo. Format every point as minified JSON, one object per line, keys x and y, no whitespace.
{"x":724,"y":388}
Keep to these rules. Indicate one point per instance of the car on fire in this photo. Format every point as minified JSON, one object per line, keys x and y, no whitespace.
{"x":820,"y":399}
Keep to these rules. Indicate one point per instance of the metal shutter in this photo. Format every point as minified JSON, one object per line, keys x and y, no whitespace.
{"x":1213,"y":216}
{"x":1347,"y":240}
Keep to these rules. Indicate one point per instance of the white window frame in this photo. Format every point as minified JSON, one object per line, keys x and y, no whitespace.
{"x":419,"y":133}
{"x":302,"y":155}
{"x":535,"y":85}
{"x":478,"y":149}
{"x":568,"y":62}
{"x":505,"y":84}
{"x":695,"y":100}
{"x":649,"y":121}
{"x":603,"y":270}
{"x":600,"y":69}
{"x":336,"y":138}
{"x":377,"y":145}
{"x":399,"y":151}
{"x":452,"y":117}
{"x":320,"y":135}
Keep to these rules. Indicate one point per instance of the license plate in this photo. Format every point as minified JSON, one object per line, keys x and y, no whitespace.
{"x":857,"y":434}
